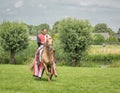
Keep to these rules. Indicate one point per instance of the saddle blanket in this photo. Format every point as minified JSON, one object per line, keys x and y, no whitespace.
{"x":38,"y":65}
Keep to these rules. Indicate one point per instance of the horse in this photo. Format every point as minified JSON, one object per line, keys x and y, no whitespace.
{"x":47,"y":57}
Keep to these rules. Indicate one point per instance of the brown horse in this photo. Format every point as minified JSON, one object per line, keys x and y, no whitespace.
{"x":47,"y":57}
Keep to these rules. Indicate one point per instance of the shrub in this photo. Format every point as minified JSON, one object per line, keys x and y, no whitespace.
{"x":14,"y":37}
{"x":27,"y":55}
{"x":103,"y":58}
{"x":98,"y":39}
{"x":75,"y":36}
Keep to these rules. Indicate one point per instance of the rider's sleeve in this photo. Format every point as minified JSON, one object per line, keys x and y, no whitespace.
{"x":38,"y":41}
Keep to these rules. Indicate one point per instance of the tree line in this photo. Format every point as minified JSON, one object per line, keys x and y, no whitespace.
{"x":72,"y":36}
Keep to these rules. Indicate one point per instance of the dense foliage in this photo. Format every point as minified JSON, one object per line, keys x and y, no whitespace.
{"x":98,"y":39}
{"x":103,"y":28}
{"x":34,"y":30}
{"x":75,"y":37}
{"x":14,"y":37}
{"x":113,"y":39}
{"x":118,"y":31}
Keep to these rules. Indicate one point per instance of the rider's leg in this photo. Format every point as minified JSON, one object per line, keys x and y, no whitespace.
{"x":36,"y":62}
{"x":40,"y":64}
{"x":35,"y":73}
{"x":40,"y":70}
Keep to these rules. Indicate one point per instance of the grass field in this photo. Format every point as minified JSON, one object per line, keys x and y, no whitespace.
{"x":109,"y":49}
{"x":18,"y":79}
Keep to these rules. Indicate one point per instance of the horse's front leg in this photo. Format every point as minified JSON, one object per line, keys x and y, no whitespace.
{"x":47,"y":72}
{"x":46,"y":69}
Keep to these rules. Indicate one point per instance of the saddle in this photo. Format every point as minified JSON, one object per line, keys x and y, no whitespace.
{"x":39,"y":54}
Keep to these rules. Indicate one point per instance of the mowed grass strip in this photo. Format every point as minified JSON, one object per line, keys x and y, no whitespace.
{"x":19,"y":79}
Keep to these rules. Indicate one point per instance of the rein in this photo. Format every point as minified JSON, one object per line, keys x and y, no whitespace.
{"x":49,"y":47}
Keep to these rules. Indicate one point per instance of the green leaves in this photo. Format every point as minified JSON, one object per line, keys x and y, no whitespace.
{"x":103,"y":28}
{"x":98,"y":39}
{"x":14,"y":36}
{"x":75,"y":36}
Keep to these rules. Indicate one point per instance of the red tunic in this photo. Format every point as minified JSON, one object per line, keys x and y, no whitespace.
{"x":42,"y":38}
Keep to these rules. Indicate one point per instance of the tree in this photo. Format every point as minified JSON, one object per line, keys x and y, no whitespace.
{"x":41,"y":26}
{"x":98,"y":39}
{"x":110,"y":31}
{"x":102,"y":28}
{"x":112,"y":39}
{"x":118,"y":31}
{"x":32,"y":29}
{"x":75,"y":37}
{"x":14,"y":37}
{"x":55,"y":30}
{"x":55,"y":27}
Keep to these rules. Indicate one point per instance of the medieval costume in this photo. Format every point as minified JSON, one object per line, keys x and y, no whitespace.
{"x":38,"y":65}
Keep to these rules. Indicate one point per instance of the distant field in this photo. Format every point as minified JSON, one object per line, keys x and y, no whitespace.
{"x":18,"y":79}
{"x":109,"y":49}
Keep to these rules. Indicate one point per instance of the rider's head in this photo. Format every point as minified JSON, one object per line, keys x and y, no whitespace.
{"x":44,"y":31}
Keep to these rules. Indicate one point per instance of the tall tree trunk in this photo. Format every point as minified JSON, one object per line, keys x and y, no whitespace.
{"x":74,"y":62}
{"x":12,"y":57}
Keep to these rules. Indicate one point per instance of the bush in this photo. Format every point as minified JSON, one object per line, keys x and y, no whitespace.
{"x":102,"y":58}
{"x":115,"y":64}
{"x":75,"y":36}
{"x":4,"y":57}
{"x":14,"y":37}
{"x":58,"y":50}
{"x":98,"y":39}
{"x":23,"y":57}
{"x":27,"y":55}
{"x":112,"y":39}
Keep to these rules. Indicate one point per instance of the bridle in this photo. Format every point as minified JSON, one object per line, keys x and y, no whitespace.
{"x":49,"y":46}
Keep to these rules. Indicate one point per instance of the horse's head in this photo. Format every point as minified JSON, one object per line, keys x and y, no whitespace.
{"x":49,"y":42}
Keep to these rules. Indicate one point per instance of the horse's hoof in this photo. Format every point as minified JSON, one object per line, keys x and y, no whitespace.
{"x":55,"y":75}
{"x":49,"y":79}
{"x":39,"y":77}
{"x":51,"y":76}
{"x":35,"y":76}
{"x":48,"y":74}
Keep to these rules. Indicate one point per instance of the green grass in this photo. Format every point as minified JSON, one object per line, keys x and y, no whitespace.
{"x":18,"y":79}
{"x":109,"y":49}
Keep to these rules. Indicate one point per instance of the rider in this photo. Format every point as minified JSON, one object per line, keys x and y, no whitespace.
{"x":38,"y":66}
{"x":41,"y":38}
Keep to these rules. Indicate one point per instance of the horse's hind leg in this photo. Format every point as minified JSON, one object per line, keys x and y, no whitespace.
{"x":49,"y":78}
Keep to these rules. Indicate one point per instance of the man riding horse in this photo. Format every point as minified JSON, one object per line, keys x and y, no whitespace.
{"x":38,"y":64}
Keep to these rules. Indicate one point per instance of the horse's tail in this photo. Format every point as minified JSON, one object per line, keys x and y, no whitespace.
{"x":32,"y":66}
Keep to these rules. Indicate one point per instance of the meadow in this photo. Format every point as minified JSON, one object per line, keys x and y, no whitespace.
{"x":19,"y":79}
{"x":98,"y":56}
{"x":109,"y":49}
